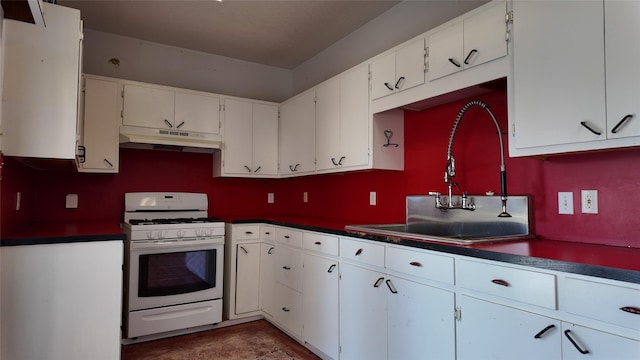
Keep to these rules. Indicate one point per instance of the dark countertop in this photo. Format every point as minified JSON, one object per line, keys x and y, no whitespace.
{"x":65,"y":232}
{"x":610,"y":262}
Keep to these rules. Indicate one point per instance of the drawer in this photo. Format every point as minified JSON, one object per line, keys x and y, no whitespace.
{"x":289,"y":237}
{"x":288,"y":309}
{"x":365,"y":252}
{"x":289,"y":266}
{"x":321,"y":243}
{"x":268,"y":232}
{"x":521,"y":285}
{"x":611,"y":303}
{"x":246,"y":232}
{"x":419,"y":263}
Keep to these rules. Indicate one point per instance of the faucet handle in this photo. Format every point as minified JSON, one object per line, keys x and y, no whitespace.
{"x":434,"y":193}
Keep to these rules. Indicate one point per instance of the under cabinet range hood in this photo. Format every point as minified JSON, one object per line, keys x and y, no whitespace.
{"x":168,"y":139}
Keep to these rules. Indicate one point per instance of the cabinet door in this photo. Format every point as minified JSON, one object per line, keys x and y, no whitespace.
{"x":288,"y":309}
{"x":577,"y":340}
{"x":267,"y":278}
{"x":383,"y":76}
{"x":328,"y":125}
{"x":485,"y":36}
{"x":558,"y":63}
{"x":622,"y":49}
{"x":320,"y":304}
{"x":491,"y":331}
{"x":446,"y":51}
{"x":410,"y":66}
{"x":297,"y":135}
{"x":363,"y":313}
{"x":41,"y":85}
{"x":148,"y":107}
{"x":247,"y":278}
{"x":415,"y":329}
{"x":354,"y":118}
{"x":238,"y":137}
{"x":100,"y":126}
{"x":265,"y":139}
{"x":196,"y":112}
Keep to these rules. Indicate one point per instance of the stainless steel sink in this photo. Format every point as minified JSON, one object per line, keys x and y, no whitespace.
{"x":425,"y":222}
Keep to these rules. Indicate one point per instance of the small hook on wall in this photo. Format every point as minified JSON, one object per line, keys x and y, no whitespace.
{"x":114,"y":61}
{"x":389,"y":134}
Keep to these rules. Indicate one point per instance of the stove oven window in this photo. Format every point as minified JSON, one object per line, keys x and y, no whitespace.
{"x":176,"y":273}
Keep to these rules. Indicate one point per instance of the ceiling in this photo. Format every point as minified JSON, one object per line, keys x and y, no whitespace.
{"x":281,"y":33}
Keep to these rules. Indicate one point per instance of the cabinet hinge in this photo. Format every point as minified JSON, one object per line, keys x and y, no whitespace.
{"x":426,"y":51}
{"x":509,"y":17}
{"x":457,"y":314}
{"x":122,"y":93}
{"x":513,"y":129}
{"x":121,"y":114}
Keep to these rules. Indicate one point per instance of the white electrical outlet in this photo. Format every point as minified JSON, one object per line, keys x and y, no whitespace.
{"x":305,"y":197}
{"x":589,"y":201}
{"x":270,"y":198}
{"x":18,"y":198}
{"x":565,"y":203}
{"x":71,"y":201}
{"x":372,"y":198}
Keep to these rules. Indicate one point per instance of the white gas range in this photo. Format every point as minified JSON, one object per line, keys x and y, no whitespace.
{"x":173,"y":263}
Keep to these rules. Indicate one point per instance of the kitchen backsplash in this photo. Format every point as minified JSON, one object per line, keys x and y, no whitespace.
{"x":615,"y":174}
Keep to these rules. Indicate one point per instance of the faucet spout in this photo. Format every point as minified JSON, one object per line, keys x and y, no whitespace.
{"x":450,"y":170}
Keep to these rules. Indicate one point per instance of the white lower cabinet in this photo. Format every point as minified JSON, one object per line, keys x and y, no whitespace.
{"x":321,"y":304}
{"x":420,"y":323}
{"x":288,"y":276}
{"x":363,"y":313}
{"x":267,"y":277}
{"x":487,"y":330}
{"x":247,"y":278}
{"x":580,"y":343}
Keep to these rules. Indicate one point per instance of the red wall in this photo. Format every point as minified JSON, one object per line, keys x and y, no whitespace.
{"x":615,"y":174}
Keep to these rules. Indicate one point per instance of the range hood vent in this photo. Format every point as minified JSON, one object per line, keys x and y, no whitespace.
{"x":168,"y":139}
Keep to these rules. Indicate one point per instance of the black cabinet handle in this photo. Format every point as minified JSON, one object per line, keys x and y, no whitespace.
{"x":378,"y":282}
{"x":333,"y":160}
{"x":317,"y":243}
{"x":391,"y":287}
{"x":400,"y":79}
{"x":566,"y":333}
{"x":539,"y":335}
{"x":331,"y":268}
{"x":286,"y":268}
{"x":248,"y":232}
{"x":178,"y":127}
{"x":631,"y":309}
{"x":285,"y":309}
{"x":358,"y":252}
{"x":416,"y":263}
{"x":454,"y":62}
{"x":248,"y":168}
{"x":294,"y":168}
{"x":584,"y":123}
{"x":270,"y":251}
{"x":466,"y":60}
{"x":341,"y":160}
{"x":500,"y":282}
{"x":108,"y":162}
{"x":258,"y":168}
{"x":168,"y":123}
{"x":388,"y":86}
{"x":244,"y":250}
{"x":624,"y":119}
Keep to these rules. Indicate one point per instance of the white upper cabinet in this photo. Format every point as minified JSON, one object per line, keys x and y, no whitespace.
{"x":475,"y":40}
{"x":398,"y":70}
{"x":42,"y":67}
{"x":563,"y":97}
{"x":250,"y":139}
{"x":622,"y":49}
{"x":343,"y":121}
{"x":297,"y":135}
{"x":101,"y":114}
{"x":160,"y":107}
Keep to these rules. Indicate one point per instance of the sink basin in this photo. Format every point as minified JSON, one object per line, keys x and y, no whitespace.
{"x":425,"y":222}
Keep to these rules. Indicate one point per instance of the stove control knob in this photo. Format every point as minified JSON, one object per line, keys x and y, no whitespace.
{"x":199,"y":232}
{"x":180,"y":233}
{"x":209,"y":232}
{"x":160,"y":235}
{"x":149,"y":235}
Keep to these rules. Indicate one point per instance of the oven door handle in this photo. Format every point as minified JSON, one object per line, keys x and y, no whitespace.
{"x":175,"y":244}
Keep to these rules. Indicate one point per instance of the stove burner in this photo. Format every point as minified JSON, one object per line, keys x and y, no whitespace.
{"x":173,"y":221}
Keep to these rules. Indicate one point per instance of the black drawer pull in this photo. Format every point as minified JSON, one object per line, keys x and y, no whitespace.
{"x":500,"y":282}
{"x":285,"y":309}
{"x":317,"y":243}
{"x":631,"y":309}
{"x":358,"y":252}
{"x":566,"y":333}
{"x":286,"y":268}
{"x":244,"y":250}
{"x":543,"y":331}
{"x":415,"y":263}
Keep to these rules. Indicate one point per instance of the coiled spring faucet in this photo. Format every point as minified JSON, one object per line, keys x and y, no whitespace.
{"x":450,"y":170}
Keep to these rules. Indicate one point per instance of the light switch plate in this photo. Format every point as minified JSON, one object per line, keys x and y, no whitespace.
{"x":565,"y":203}
{"x":270,"y":198}
{"x":372,"y":198}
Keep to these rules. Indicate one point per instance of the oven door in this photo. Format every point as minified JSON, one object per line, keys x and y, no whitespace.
{"x":171,"y":272}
